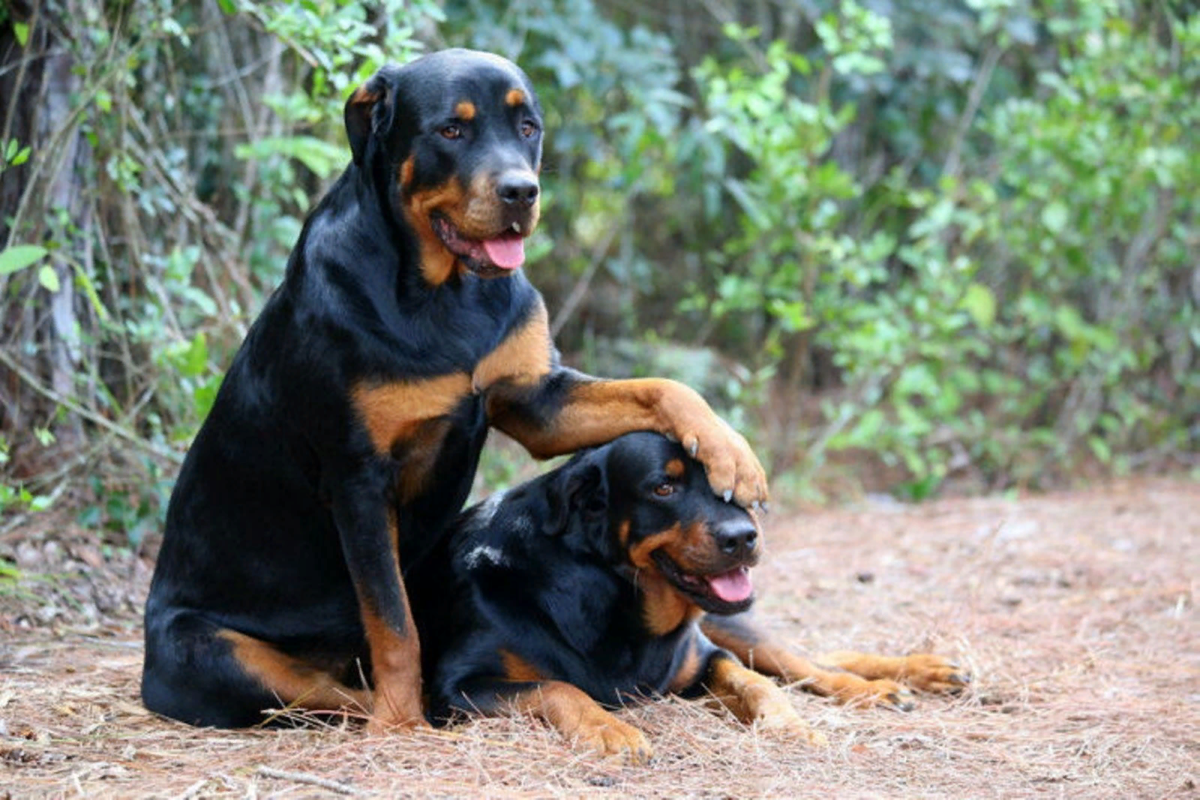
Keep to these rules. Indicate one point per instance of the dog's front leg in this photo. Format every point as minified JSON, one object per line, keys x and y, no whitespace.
{"x":567,"y":410}
{"x":579,"y":718}
{"x":370,"y":543}
{"x":756,"y":700}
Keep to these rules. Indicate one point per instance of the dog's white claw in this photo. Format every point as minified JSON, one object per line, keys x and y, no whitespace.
{"x":695,"y":448}
{"x":728,"y":495}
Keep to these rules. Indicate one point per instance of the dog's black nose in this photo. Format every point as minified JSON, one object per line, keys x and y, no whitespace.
{"x":736,"y":538}
{"x":517,"y":189}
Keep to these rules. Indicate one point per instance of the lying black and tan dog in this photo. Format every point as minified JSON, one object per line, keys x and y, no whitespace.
{"x":589,"y":587}
{"x":348,"y":428}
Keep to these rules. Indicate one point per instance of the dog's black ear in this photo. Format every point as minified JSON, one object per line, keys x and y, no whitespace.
{"x":578,"y":496}
{"x":369,"y":112}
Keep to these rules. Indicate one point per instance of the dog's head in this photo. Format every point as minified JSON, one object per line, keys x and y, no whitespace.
{"x":647,"y":506}
{"x":453,"y":144}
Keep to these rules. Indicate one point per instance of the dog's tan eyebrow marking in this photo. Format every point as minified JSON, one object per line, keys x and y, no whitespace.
{"x":515,"y":97}
{"x":674,"y":468}
{"x":465,"y":110}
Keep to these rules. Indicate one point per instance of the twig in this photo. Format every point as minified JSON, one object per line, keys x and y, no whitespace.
{"x":983,"y":76}
{"x":314,"y":780}
{"x":585,"y":281}
{"x":130,"y":436}
{"x":192,"y":790}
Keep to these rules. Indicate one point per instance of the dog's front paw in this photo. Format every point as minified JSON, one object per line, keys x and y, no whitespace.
{"x":733,"y":471}
{"x":881,"y":692}
{"x":933,"y":673}
{"x":785,"y":723}
{"x":770,"y":710}
{"x":612,"y":737}
{"x":377,"y":726}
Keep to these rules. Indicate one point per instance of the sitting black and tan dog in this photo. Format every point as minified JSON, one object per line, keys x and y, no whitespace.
{"x":610,"y":579}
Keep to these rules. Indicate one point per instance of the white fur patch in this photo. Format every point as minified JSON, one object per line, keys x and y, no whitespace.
{"x":485,"y":553}
{"x":485,"y":511}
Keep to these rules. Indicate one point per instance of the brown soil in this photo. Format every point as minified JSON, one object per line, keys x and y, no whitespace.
{"x":1075,"y":612}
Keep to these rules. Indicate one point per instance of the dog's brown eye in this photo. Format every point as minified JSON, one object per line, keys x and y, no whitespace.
{"x":528,"y":128}
{"x":452,"y":131}
{"x":664,"y":489}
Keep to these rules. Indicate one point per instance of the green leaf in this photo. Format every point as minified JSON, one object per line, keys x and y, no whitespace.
{"x":1054,"y":216}
{"x":321,"y":157}
{"x":195,"y":358}
{"x":48,"y":278}
{"x":227,"y":6}
{"x":18,"y":257}
{"x":21,"y":31}
{"x":980,"y":303}
{"x":89,"y":289}
{"x":21,"y":157}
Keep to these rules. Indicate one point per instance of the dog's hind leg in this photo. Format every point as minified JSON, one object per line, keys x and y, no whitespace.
{"x":200,"y":673}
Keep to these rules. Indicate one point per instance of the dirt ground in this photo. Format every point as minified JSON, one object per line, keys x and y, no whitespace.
{"x":1074,"y":611}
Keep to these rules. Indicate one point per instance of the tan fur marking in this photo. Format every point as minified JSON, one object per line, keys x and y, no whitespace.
{"x":421,"y":450}
{"x":599,"y":411}
{"x":363,"y":95}
{"x":394,"y":410}
{"x":395,"y":657}
{"x":691,"y":548}
{"x":522,"y":359}
{"x":664,"y":608}
{"x":674,"y":468}
{"x":753,"y":698}
{"x":515,"y":97}
{"x":293,"y":681}
{"x":623,"y":534}
{"x":689,"y":670}
{"x":437,"y":263}
{"x":465,"y":110}
{"x":406,"y":172}
{"x":517,"y":668}
{"x":581,"y":719}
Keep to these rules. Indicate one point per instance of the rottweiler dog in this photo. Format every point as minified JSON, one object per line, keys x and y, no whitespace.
{"x":348,"y":428}
{"x":615,"y":577}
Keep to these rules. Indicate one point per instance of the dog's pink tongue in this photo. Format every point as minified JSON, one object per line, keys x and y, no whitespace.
{"x":506,"y":252}
{"x":733,"y":586}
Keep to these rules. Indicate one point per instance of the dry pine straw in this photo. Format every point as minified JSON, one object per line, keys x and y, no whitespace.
{"x":1075,"y":612}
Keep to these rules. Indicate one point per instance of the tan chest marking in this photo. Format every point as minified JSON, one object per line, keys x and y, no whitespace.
{"x":394,"y":411}
{"x":522,"y":359}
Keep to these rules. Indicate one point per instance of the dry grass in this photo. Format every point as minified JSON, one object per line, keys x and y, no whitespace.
{"x":1075,"y":612}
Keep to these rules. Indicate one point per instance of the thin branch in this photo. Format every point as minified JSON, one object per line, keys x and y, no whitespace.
{"x":585,"y":281}
{"x":313,"y":780}
{"x":130,"y":436}
{"x":983,"y":76}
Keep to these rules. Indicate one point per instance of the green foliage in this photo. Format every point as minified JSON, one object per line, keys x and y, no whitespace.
{"x":991,"y":322}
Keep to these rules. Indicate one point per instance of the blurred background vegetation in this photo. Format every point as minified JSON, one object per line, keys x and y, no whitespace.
{"x":915,"y":247}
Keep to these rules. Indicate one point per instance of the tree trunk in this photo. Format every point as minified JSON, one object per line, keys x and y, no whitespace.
{"x":44,"y":201}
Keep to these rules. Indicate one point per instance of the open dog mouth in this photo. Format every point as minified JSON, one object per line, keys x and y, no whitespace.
{"x":497,"y":255}
{"x":719,"y":593}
